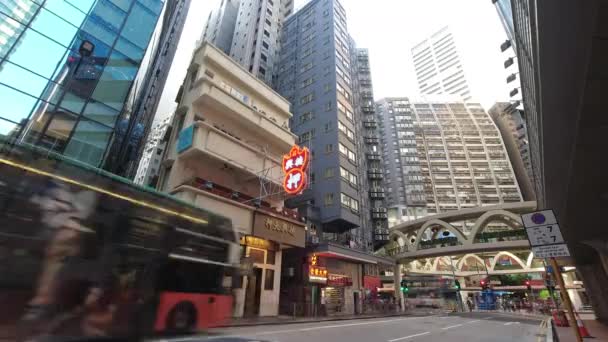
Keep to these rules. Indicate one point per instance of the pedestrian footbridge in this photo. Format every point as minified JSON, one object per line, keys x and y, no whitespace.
{"x":472,"y":230}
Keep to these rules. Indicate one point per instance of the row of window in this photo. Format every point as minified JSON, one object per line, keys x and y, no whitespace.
{"x":348,"y":132}
{"x":352,"y":156}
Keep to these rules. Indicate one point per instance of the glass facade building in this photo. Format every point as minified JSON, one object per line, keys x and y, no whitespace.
{"x":67,"y":73}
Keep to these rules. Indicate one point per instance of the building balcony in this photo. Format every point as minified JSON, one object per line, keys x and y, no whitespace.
{"x":372,"y":140}
{"x":370,"y":124}
{"x":373,"y":156}
{"x":208,"y":94}
{"x":379,"y":214}
{"x":376,"y":193}
{"x":220,"y":145}
{"x":368,"y":109}
{"x":375,"y":174}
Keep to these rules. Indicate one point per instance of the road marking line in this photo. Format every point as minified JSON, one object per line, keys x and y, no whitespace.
{"x":509,"y":323}
{"x":451,"y":326}
{"x":469,"y":322}
{"x":410,"y":336}
{"x":354,"y":324}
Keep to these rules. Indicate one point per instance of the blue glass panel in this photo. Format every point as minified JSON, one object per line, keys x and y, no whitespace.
{"x":22,"y":79}
{"x":27,"y":54}
{"x":53,"y":27}
{"x":139,"y":26}
{"x":123,"y":4}
{"x":88,"y":143}
{"x":109,"y":14}
{"x":100,"y":112}
{"x":129,"y":49}
{"x":16,"y":106}
{"x":72,"y":11}
{"x":114,"y":85}
{"x":99,"y":30}
{"x":154,"y":5}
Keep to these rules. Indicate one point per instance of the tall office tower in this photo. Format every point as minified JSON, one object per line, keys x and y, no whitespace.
{"x":512,"y":127}
{"x":373,"y":203}
{"x":149,"y":164}
{"x":439,"y":68}
{"x":316,"y":76}
{"x":71,"y":100}
{"x":455,"y":148}
{"x":124,"y":157}
{"x":255,"y":44}
{"x":219,"y":28}
{"x":505,"y":13}
{"x":10,"y":29}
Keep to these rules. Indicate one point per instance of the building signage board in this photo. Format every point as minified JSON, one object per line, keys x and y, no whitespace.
{"x":279,"y":230}
{"x":295,"y":164}
{"x":184,"y":140}
{"x":544,"y":234}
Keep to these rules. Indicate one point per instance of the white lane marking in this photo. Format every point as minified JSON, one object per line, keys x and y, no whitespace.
{"x":509,"y":323}
{"x":451,"y":326}
{"x":469,"y":322}
{"x":410,"y":336}
{"x":354,"y":324}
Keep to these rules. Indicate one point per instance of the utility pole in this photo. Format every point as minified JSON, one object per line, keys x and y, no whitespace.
{"x":566,"y":299}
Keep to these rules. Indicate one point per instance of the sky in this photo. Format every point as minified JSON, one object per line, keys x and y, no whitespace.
{"x":389,"y":29}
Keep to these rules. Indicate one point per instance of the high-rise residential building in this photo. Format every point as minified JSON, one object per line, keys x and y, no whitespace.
{"x":152,"y":156}
{"x":147,"y":90}
{"x":249,"y":31}
{"x":11,"y":29}
{"x":512,"y":127}
{"x":255,"y":43}
{"x":438,"y":65}
{"x":443,"y":155}
{"x":72,"y":99}
{"x":225,"y":153}
{"x":316,"y":74}
{"x":220,"y":25}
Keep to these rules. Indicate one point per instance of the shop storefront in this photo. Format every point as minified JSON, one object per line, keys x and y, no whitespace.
{"x":257,"y":292}
{"x":332,"y":282}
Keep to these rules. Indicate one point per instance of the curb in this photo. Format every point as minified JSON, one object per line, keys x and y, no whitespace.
{"x":334,"y":319}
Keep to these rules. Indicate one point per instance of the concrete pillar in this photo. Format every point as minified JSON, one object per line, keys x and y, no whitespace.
{"x":397,"y":280}
{"x":595,"y":281}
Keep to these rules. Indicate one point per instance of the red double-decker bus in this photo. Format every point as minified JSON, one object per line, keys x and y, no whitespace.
{"x":84,"y":253}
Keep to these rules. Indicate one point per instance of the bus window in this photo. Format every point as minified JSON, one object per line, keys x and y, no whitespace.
{"x":192,"y":277}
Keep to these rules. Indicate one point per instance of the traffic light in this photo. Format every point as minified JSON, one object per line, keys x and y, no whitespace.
{"x":404,"y":287}
{"x":457,"y":284}
{"x":483,"y":283}
{"x":528,"y":285}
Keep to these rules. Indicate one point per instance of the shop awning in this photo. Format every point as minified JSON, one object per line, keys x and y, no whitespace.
{"x":330,"y":250}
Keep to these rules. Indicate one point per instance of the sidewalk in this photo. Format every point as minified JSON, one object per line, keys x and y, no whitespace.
{"x":277,"y":320}
{"x":595,"y":328}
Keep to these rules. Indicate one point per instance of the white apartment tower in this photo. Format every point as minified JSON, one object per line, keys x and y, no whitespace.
{"x":439,"y":68}
{"x":443,"y":155}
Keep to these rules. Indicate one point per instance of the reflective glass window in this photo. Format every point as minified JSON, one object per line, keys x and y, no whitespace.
{"x":22,"y":79}
{"x":115,"y":82}
{"x":129,"y":49}
{"x":154,"y":5}
{"x":122,"y":4}
{"x":88,"y":143}
{"x":54,"y":27}
{"x":55,"y":136}
{"x":16,"y":105}
{"x":72,"y":11}
{"x":9,"y":32}
{"x":139,"y":26}
{"x":108,"y":14}
{"x":100,"y":112}
{"x":27,"y":54}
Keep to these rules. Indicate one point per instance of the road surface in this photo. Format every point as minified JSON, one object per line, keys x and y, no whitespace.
{"x":463,"y":327}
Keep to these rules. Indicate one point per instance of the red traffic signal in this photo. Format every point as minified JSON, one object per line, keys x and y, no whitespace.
{"x":527,"y":283}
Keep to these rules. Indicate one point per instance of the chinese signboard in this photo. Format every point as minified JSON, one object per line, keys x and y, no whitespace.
{"x":294,"y":167}
{"x":317,"y":274}
{"x":544,"y":234}
{"x":278,"y":229}
{"x":339,"y":280}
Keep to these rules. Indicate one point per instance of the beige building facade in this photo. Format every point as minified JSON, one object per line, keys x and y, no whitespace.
{"x":229,"y":134}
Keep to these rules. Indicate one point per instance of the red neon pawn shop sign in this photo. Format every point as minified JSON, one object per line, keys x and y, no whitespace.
{"x":294,"y":167}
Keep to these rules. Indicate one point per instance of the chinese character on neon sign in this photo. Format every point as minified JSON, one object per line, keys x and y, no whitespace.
{"x":294,"y":167}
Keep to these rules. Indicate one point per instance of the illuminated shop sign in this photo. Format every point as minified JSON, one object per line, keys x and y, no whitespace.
{"x":294,"y":167}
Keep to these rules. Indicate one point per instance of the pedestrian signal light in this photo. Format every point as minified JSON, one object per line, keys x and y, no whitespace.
{"x":528,"y":285}
{"x":457,"y":284}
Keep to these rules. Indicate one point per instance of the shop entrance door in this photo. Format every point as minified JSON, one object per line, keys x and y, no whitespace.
{"x":252,"y":294}
{"x":356,"y":299}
